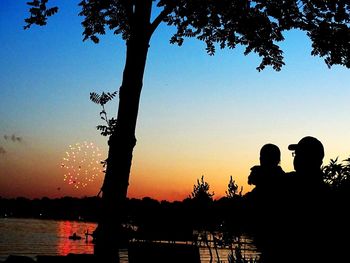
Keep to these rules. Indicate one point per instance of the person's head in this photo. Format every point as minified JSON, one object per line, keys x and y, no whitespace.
{"x":308,"y":155}
{"x":270,"y":155}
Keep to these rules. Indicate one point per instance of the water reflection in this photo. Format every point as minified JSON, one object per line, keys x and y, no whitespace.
{"x":214,"y":249}
{"x":65,"y":229}
{"x":33,"y":237}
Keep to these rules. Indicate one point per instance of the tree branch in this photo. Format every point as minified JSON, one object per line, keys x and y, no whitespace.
{"x":166,"y":11}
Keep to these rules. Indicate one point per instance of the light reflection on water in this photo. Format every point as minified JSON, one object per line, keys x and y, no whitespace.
{"x":67,"y":228}
{"x":33,"y":237}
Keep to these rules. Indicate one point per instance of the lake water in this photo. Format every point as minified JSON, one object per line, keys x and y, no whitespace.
{"x":32,"y":237}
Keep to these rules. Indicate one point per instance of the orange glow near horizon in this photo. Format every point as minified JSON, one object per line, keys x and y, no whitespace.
{"x":169,"y":176}
{"x":36,"y":172}
{"x":166,"y":180}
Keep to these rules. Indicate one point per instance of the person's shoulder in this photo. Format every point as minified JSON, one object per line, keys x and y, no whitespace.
{"x":255,"y":168}
{"x":290,"y":174}
{"x":279,"y":170}
{"x":290,"y":179}
{"x":254,"y":172}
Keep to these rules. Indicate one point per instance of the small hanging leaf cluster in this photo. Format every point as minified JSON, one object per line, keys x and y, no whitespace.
{"x":104,"y":165}
{"x":39,"y":13}
{"x":102,"y":99}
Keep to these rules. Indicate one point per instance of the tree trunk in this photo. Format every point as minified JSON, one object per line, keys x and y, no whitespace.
{"x":109,"y":234}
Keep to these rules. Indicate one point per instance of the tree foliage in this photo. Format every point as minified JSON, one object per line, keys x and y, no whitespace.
{"x":336,"y":174}
{"x":201,"y":191}
{"x":257,"y":25}
{"x":102,"y":99}
{"x":39,"y":13}
{"x":232,"y":189}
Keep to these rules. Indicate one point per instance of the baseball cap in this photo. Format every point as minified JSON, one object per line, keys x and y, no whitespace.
{"x":310,"y":146}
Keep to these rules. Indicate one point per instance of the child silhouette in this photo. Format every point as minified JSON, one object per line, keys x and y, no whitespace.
{"x":268,"y":174}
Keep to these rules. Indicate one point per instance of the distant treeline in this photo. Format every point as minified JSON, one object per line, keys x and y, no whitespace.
{"x":145,"y":212}
{"x":199,"y":210}
{"x":66,"y":208}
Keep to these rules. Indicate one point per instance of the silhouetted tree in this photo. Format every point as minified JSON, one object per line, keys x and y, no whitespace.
{"x":334,"y":173}
{"x":232,"y":189}
{"x":201,"y":191}
{"x":202,"y":201}
{"x":257,"y":25}
{"x":337,"y":175}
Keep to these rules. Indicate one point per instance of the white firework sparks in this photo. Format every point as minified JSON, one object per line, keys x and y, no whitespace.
{"x":81,"y":164}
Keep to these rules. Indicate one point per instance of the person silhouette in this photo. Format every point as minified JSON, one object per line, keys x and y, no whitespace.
{"x":262,"y":203}
{"x":267,"y":176}
{"x":288,"y":223}
{"x":308,"y":158}
{"x":306,"y":205}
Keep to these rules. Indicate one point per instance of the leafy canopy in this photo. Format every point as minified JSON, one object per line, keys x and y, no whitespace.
{"x":258,"y":25}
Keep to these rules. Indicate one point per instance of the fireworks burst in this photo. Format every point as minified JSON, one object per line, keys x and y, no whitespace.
{"x":81,"y":164}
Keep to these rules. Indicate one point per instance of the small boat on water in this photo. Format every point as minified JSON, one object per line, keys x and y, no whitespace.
{"x":74,"y":237}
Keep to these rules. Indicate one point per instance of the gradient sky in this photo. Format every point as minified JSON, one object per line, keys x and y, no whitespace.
{"x":199,"y":115}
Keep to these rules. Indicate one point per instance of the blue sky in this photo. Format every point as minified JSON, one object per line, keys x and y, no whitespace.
{"x":199,"y":114}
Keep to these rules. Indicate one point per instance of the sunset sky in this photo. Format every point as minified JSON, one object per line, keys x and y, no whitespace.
{"x":199,"y":114}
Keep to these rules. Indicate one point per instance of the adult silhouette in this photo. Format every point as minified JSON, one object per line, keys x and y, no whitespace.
{"x":308,"y":158}
{"x":306,"y":210}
